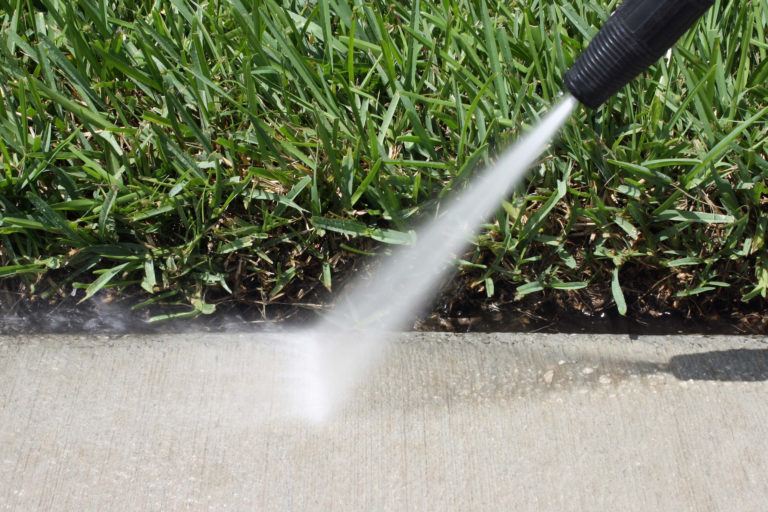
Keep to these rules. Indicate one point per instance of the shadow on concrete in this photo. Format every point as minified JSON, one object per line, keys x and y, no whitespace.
{"x":733,"y":365}
{"x":737,"y":365}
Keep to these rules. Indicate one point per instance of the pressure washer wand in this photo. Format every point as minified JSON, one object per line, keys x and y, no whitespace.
{"x":634,"y":37}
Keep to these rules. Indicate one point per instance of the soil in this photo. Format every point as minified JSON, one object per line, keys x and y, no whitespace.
{"x":459,"y":309}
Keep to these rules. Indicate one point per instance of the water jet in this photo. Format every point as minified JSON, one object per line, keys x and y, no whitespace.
{"x":345,"y":345}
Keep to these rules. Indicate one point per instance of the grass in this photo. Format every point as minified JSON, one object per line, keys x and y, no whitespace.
{"x":248,"y":150}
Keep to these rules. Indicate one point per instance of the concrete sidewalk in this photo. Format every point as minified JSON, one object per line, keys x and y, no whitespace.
{"x":446,"y":423}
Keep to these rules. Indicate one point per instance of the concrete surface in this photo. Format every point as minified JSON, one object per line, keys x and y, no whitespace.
{"x":446,"y":423}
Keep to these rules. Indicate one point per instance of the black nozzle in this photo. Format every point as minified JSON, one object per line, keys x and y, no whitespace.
{"x":634,"y":37}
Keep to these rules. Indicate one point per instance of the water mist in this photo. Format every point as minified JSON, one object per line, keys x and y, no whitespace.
{"x":328,"y":361}
{"x":333,"y":356}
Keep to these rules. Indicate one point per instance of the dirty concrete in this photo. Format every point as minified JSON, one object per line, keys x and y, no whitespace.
{"x":447,"y":422}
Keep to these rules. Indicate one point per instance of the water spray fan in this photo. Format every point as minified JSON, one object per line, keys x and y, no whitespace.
{"x":634,"y":37}
{"x":331,"y":360}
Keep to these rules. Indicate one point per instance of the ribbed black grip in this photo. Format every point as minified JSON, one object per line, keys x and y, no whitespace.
{"x":634,"y":37}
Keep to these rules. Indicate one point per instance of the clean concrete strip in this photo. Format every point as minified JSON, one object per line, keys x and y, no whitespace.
{"x":447,"y":422}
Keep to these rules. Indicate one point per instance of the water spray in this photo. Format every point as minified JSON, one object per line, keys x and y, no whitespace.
{"x":341,"y":350}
